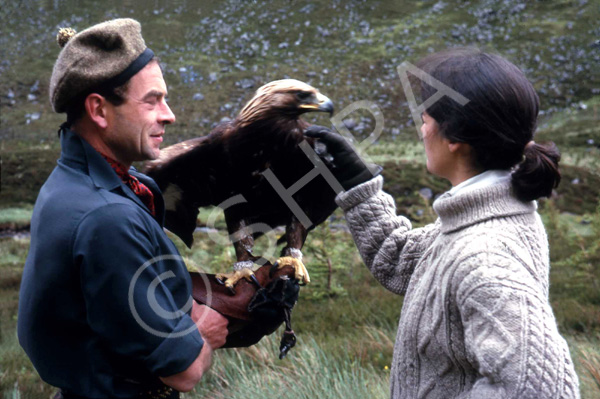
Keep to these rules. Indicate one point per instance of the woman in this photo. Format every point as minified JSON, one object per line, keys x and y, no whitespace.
{"x":476,"y":321}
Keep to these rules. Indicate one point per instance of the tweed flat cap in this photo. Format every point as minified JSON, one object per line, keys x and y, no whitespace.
{"x":104,"y":55}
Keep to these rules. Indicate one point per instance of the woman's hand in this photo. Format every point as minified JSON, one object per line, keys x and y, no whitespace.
{"x":348,"y":167}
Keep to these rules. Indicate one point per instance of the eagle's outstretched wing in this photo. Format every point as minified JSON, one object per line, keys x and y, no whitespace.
{"x":186,"y":173}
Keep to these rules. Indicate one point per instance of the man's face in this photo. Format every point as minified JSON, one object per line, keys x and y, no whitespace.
{"x":136,"y":127}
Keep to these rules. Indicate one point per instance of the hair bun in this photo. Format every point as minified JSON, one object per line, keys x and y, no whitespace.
{"x":64,"y":35}
{"x":539,"y":172}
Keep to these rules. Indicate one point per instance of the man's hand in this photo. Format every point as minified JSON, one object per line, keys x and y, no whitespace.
{"x":348,"y":167}
{"x":211,"y":324}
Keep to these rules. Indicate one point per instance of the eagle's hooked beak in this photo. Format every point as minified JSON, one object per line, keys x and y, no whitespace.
{"x":322,"y":103}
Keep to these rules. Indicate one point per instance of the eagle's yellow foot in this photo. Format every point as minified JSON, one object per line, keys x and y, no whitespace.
{"x":301,"y":273}
{"x":231,"y":279}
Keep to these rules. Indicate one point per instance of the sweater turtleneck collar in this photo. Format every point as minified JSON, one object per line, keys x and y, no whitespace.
{"x":478,"y":205}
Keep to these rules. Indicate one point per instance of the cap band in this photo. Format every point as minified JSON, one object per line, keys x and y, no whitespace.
{"x":133,"y":68}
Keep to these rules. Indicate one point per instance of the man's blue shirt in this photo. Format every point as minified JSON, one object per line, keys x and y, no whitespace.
{"x":105,"y":298}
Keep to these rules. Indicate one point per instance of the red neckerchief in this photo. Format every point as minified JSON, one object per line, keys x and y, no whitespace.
{"x":139,"y":189}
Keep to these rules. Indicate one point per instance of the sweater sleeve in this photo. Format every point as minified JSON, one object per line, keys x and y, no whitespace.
{"x":387,"y":243}
{"x":511,"y":337}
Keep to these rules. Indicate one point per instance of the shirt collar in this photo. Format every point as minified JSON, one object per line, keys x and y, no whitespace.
{"x":78,"y":153}
{"x":121,"y":170}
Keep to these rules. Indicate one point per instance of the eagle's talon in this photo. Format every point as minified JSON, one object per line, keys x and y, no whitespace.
{"x":273,"y":269}
{"x":301,"y":274}
{"x":255,"y":281}
{"x":221,"y":282}
{"x":229,"y":280}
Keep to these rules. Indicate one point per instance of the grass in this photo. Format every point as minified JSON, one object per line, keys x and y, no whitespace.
{"x":23,"y":173}
{"x":15,"y":219}
{"x":575,"y":271}
{"x":312,"y":370}
{"x":15,"y":215}
{"x":586,"y":357}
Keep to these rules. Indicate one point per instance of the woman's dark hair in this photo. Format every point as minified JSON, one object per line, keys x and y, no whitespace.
{"x":498,"y":121}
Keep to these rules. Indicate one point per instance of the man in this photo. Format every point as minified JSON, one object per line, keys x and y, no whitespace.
{"x":105,"y":306}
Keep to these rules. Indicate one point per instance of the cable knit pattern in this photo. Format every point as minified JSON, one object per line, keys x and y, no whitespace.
{"x":476,"y":320}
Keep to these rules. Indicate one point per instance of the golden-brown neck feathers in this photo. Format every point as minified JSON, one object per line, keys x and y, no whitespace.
{"x":278,"y":98}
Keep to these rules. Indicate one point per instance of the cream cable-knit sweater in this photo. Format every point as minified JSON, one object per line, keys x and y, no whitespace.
{"x":476,"y":321}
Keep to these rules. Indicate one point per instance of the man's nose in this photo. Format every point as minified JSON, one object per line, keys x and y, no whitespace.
{"x":166,"y":115}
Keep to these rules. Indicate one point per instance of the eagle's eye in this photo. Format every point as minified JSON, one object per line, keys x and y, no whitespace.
{"x":303,"y":95}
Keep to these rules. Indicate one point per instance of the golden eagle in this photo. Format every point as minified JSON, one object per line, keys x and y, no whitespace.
{"x":228,"y":168}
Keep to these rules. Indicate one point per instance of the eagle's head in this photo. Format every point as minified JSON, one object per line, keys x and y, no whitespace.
{"x":286,"y":98}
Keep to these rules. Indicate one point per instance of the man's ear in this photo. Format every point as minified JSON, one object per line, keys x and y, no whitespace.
{"x":96,"y":108}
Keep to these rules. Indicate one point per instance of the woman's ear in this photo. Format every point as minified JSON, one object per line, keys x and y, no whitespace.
{"x":453,"y":146}
{"x":459,"y":148}
{"x":465,"y":154}
{"x":96,"y":109}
